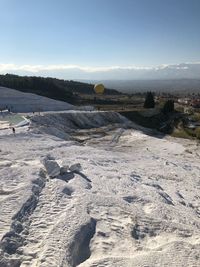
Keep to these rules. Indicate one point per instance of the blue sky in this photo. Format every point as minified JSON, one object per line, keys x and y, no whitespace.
{"x":98,"y":33}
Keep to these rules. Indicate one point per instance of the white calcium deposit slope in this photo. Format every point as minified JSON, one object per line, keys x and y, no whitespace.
{"x":25,"y":102}
{"x":134,"y":203}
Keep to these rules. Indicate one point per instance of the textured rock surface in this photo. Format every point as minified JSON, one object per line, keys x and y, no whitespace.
{"x":134,"y":203}
{"x":52,"y":167}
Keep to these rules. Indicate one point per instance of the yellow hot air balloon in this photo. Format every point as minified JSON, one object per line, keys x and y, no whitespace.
{"x":99,"y":88}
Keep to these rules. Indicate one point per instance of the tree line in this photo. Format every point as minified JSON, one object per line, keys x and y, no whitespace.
{"x":150,"y":103}
{"x":64,"y":90}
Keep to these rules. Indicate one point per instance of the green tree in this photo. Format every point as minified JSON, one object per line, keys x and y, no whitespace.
{"x":149,"y":100}
{"x":168,"y":107}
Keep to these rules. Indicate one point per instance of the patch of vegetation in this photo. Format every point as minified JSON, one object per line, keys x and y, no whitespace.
{"x":168,"y":107}
{"x":195,"y":117}
{"x":187,"y":133}
{"x":197,"y":131}
{"x":50,"y":87}
{"x":149,"y":100}
{"x":181,"y":133}
{"x":165,"y":119}
{"x":153,"y":122}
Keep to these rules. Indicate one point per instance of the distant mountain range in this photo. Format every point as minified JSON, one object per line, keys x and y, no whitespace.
{"x":162,"y":72}
{"x":75,"y":72}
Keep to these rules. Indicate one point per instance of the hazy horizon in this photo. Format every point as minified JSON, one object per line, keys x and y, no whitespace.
{"x":107,"y":39}
{"x":67,"y":72}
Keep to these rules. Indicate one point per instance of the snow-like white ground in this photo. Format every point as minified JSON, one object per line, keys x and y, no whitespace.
{"x":135,"y":203}
{"x":25,"y":102}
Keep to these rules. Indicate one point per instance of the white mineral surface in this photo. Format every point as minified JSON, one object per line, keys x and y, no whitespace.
{"x":130,"y":198}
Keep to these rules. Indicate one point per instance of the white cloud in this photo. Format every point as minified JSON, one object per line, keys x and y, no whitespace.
{"x":38,"y":68}
{"x":184,"y":70}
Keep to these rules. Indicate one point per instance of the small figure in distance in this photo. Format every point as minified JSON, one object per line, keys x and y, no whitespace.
{"x":13,"y":130}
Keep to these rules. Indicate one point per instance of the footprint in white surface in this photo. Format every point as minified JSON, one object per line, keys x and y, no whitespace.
{"x":130,"y":199}
{"x":67,"y":191}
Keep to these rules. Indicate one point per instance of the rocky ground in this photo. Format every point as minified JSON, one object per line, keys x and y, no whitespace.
{"x":103,"y":195}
